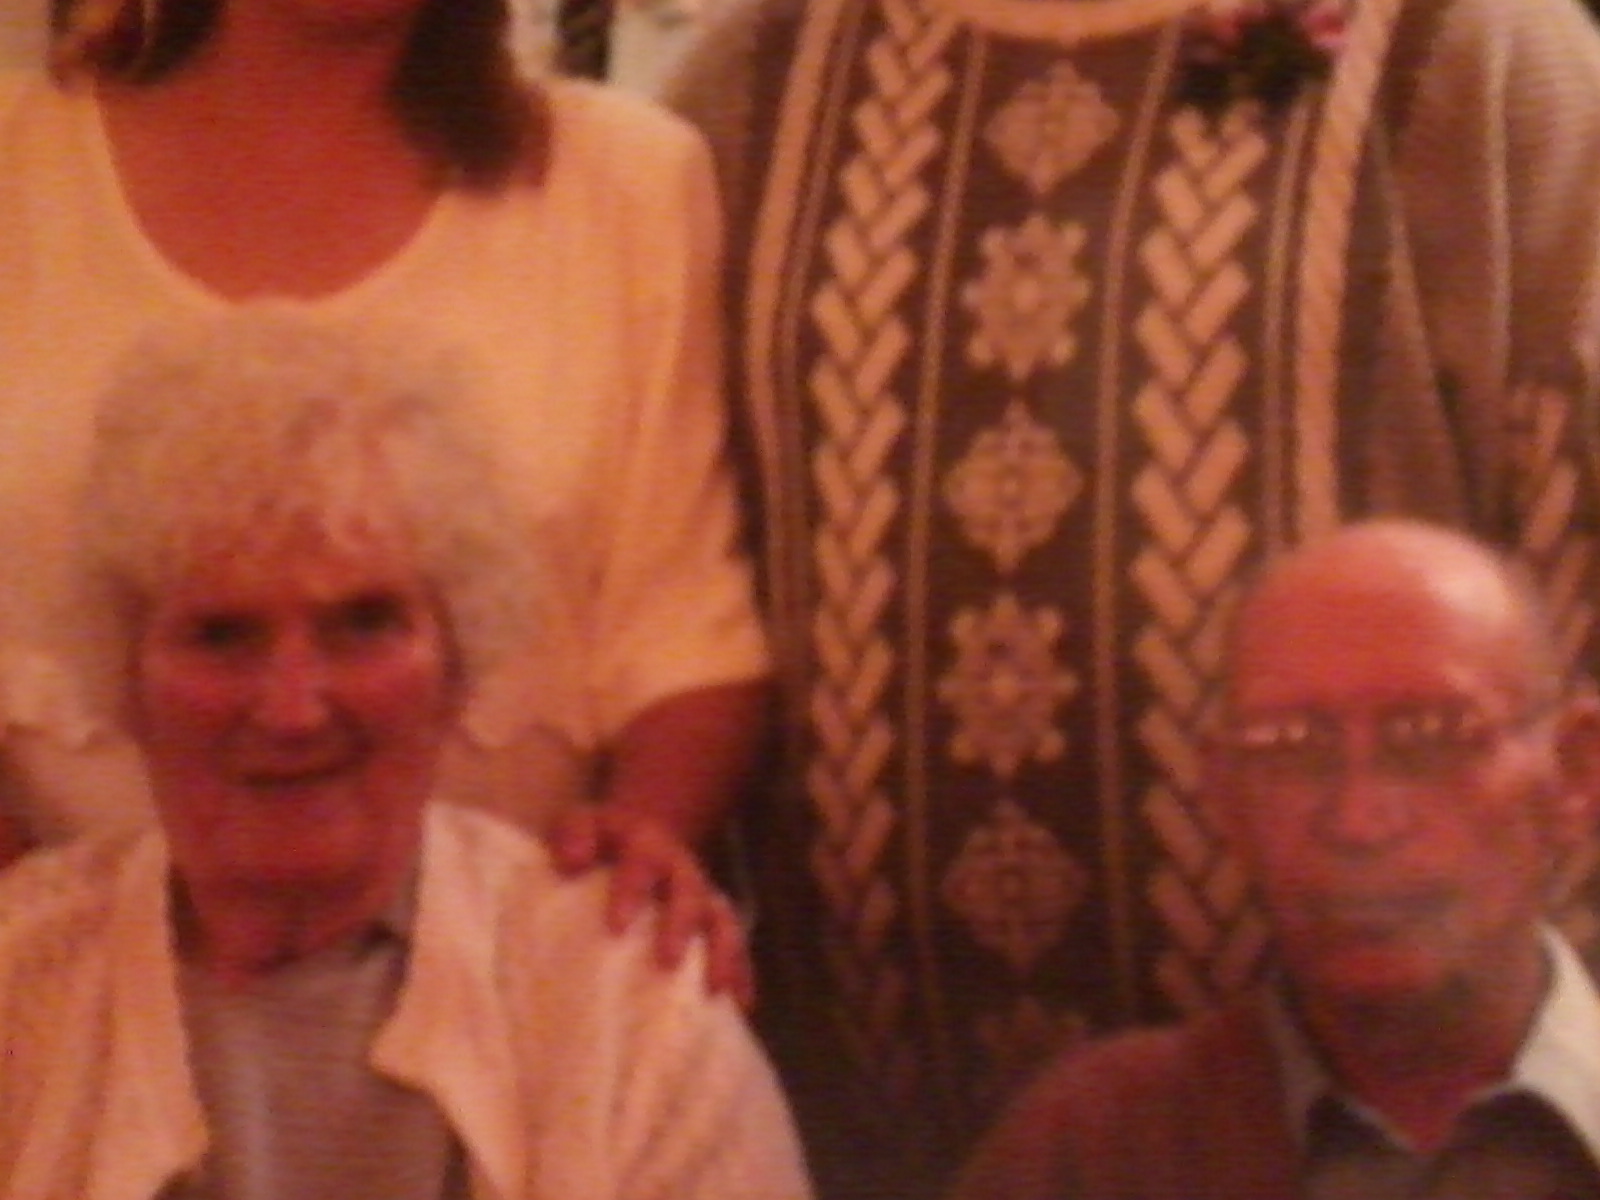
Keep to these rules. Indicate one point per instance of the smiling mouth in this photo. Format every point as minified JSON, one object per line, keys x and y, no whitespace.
{"x":288,"y":777}
{"x":283,"y":764}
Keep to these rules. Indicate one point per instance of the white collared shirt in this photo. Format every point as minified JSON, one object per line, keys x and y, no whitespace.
{"x":1536,"y":1134}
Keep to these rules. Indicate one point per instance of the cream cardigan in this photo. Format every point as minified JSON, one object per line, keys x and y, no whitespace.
{"x":569,"y":1065}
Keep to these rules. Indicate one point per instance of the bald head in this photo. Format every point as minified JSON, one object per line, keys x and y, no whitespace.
{"x":1398,"y":768}
{"x":1373,"y":586}
{"x":1403,"y":781}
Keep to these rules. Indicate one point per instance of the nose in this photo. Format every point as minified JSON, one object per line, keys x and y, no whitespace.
{"x":1364,"y":807}
{"x":292,"y":688}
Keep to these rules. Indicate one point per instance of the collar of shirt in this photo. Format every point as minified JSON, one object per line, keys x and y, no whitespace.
{"x":1559,"y":1062}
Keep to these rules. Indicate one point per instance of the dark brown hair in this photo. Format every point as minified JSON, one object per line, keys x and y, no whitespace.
{"x":456,"y":92}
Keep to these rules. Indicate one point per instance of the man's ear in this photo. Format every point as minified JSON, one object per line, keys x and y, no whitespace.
{"x":1578,"y":754}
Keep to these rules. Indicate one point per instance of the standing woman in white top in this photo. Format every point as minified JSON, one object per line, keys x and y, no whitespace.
{"x":381,"y":159}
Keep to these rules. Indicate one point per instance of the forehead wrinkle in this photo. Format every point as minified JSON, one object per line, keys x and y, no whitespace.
{"x":1414,"y":574}
{"x":356,"y":521}
{"x":303,"y":553}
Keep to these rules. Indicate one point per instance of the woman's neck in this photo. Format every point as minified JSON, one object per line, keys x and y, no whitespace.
{"x":269,"y":49}
{"x":272,"y":164}
{"x":269,"y":83}
{"x":239,"y":933}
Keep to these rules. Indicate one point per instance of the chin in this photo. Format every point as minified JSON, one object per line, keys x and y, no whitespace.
{"x":302,"y":858}
{"x":306,"y":875}
{"x":1382,"y":974}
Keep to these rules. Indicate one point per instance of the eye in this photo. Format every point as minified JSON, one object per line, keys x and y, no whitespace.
{"x":1289,"y":744}
{"x":1437,"y":724}
{"x":221,"y":632}
{"x":1288,"y":733}
{"x":1433,"y":736}
{"x":368,"y":618}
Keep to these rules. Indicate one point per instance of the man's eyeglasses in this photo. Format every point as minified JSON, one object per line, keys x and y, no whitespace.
{"x":1420,"y":741}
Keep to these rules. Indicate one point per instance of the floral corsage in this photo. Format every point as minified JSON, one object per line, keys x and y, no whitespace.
{"x":1258,"y":50}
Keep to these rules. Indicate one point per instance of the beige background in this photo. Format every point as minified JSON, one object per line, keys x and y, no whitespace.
{"x":21,"y":31}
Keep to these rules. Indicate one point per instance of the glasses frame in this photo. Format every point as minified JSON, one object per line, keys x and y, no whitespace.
{"x":1414,"y":740}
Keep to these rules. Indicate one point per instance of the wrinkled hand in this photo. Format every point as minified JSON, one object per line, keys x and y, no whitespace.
{"x":652,"y":865}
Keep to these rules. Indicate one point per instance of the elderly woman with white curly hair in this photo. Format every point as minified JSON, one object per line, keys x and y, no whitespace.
{"x":312,"y":980}
{"x":383,"y":161}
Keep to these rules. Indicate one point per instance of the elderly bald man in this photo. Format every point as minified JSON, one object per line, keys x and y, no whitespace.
{"x":1401,"y":768}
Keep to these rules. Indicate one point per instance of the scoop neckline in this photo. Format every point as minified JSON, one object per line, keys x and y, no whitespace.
{"x":96,"y":136}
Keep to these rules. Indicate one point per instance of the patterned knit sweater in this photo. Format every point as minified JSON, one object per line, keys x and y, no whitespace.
{"x":1037,"y":361}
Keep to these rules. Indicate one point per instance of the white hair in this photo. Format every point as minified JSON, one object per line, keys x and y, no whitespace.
{"x":240,"y":433}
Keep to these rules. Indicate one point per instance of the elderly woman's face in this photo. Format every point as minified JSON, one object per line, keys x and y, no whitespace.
{"x":291,"y":713}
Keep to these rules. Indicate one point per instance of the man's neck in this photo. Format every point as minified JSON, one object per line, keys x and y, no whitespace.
{"x":1420,"y":1062}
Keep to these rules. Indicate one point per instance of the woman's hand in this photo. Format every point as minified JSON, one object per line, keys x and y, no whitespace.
{"x":14,"y":840}
{"x":653,"y":865}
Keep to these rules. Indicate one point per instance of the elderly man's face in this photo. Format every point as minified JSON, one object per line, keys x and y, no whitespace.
{"x":291,"y":712}
{"x":1392,"y":781}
